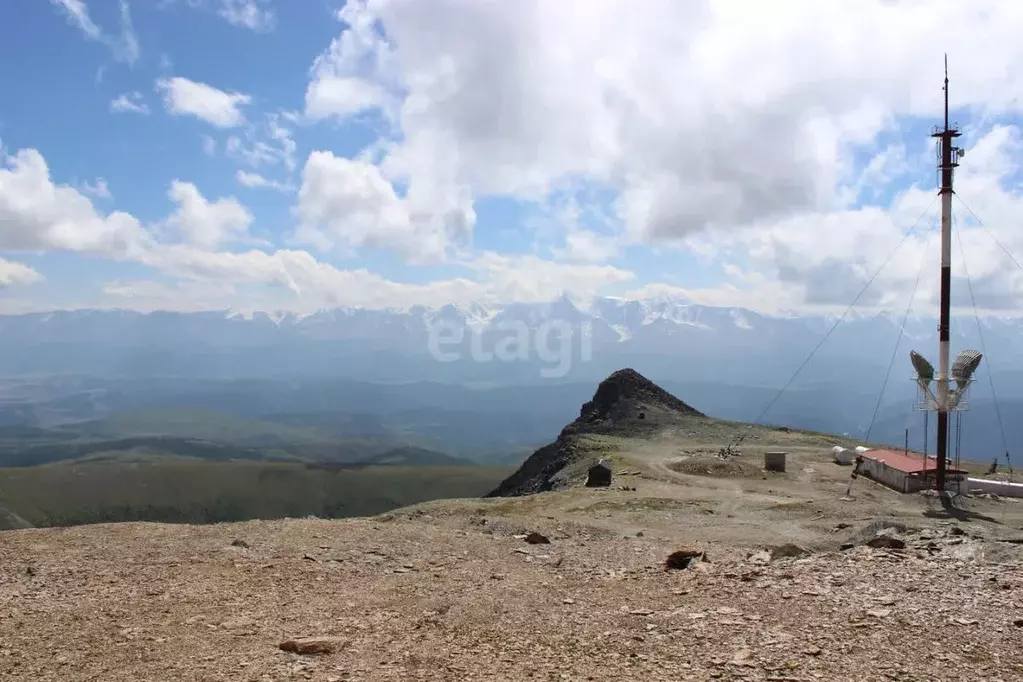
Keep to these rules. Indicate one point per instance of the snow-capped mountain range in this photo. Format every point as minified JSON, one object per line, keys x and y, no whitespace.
{"x":506,"y":343}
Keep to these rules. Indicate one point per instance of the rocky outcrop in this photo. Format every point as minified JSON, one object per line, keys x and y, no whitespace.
{"x":625,"y":403}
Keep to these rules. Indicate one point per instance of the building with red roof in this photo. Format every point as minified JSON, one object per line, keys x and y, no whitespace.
{"x":908,"y":472}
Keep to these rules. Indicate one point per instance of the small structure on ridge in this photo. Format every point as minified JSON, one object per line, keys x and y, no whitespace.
{"x":599,"y":475}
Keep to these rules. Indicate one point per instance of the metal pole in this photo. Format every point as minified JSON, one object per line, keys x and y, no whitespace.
{"x":945,"y":135}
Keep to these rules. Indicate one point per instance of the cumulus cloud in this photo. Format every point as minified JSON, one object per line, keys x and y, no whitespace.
{"x":184,"y":97}
{"x":763,"y":140}
{"x":352,"y":75}
{"x":698,"y":115}
{"x":191,"y":247}
{"x":348,"y":203}
{"x":37,"y":214}
{"x":207,"y":224}
{"x":823,"y":259}
{"x":14,"y":274}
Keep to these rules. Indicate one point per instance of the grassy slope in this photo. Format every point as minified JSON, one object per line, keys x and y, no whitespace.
{"x":203,"y":492}
{"x":201,"y":466}
{"x":198,"y":424}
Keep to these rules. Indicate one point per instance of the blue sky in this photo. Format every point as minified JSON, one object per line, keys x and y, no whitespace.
{"x":393,"y":152}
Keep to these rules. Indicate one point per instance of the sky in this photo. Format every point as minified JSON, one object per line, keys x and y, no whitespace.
{"x":272,"y":155}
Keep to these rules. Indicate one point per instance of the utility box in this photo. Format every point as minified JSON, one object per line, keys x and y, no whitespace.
{"x":775,"y":461}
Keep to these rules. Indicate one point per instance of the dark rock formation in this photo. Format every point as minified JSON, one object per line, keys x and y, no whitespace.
{"x":615,"y":408}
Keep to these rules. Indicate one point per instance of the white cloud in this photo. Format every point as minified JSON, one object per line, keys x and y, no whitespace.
{"x":250,"y":14}
{"x":588,"y":247}
{"x":256,"y":180}
{"x":262,"y":146}
{"x":131,"y":101}
{"x":255,"y":15}
{"x":209,"y":146}
{"x":207,"y":224}
{"x":98,"y":189}
{"x":823,"y":259}
{"x":124,"y":47}
{"x":339,"y":85}
{"x":697,"y":114}
{"x":184,"y":97}
{"x":38,"y":215}
{"x":14,"y":274}
{"x":347,"y":203}
{"x":315,"y":284}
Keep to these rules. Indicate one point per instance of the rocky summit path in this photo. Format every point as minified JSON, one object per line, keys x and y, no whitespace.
{"x":424,"y":596}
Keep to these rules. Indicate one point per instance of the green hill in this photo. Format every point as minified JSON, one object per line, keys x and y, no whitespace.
{"x":188,"y":491}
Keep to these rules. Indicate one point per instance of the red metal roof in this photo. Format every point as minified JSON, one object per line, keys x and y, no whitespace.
{"x":912,"y":463}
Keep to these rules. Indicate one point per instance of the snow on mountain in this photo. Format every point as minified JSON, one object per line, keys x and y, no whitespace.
{"x":676,"y":338}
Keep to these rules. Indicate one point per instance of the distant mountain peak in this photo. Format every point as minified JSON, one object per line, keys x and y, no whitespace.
{"x":626,"y":393}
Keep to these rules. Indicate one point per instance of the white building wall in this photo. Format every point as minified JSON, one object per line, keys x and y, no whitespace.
{"x":882,"y":473}
{"x":1003,"y":488}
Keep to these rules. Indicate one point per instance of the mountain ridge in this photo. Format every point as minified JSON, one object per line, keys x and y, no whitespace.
{"x":624,"y":402}
{"x":676,"y":340}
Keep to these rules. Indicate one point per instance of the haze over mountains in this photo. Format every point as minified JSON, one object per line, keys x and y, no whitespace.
{"x":370,"y":373}
{"x":683,"y":342}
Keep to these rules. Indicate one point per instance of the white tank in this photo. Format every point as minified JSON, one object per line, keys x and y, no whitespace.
{"x":860,"y":449}
{"x":843,"y":456}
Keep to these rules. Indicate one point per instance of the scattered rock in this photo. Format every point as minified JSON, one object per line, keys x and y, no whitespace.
{"x":682,"y":559}
{"x":846,"y":546}
{"x":886,"y":541}
{"x":238,"y":542}
{"x":312,"y":646}
{"x":788,"y":551}
{"x":742,"y":657}
{"x":309,"y":557}
{"x":1018,"y":622}
{"x":535,"y":538}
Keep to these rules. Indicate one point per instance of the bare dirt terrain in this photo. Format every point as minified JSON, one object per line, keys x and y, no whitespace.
{"x":788,"y":581}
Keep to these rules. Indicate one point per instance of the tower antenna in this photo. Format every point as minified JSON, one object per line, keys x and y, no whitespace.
{"x":948,"y":163}
{"x":945,"y":398}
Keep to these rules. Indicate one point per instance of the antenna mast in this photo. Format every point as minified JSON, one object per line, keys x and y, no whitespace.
{"x":949,"y":159}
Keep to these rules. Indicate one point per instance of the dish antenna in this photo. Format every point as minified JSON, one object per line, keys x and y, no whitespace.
{"x":964,"y":366}
{"x":961,"y":373}
{"x":924,"y":369}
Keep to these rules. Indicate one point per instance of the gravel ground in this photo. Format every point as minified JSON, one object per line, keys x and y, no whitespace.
{"x":433,"y":596}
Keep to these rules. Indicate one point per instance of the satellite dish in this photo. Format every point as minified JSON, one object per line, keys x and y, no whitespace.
{"x":964,"y":366}
{"x":924,"y":369}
